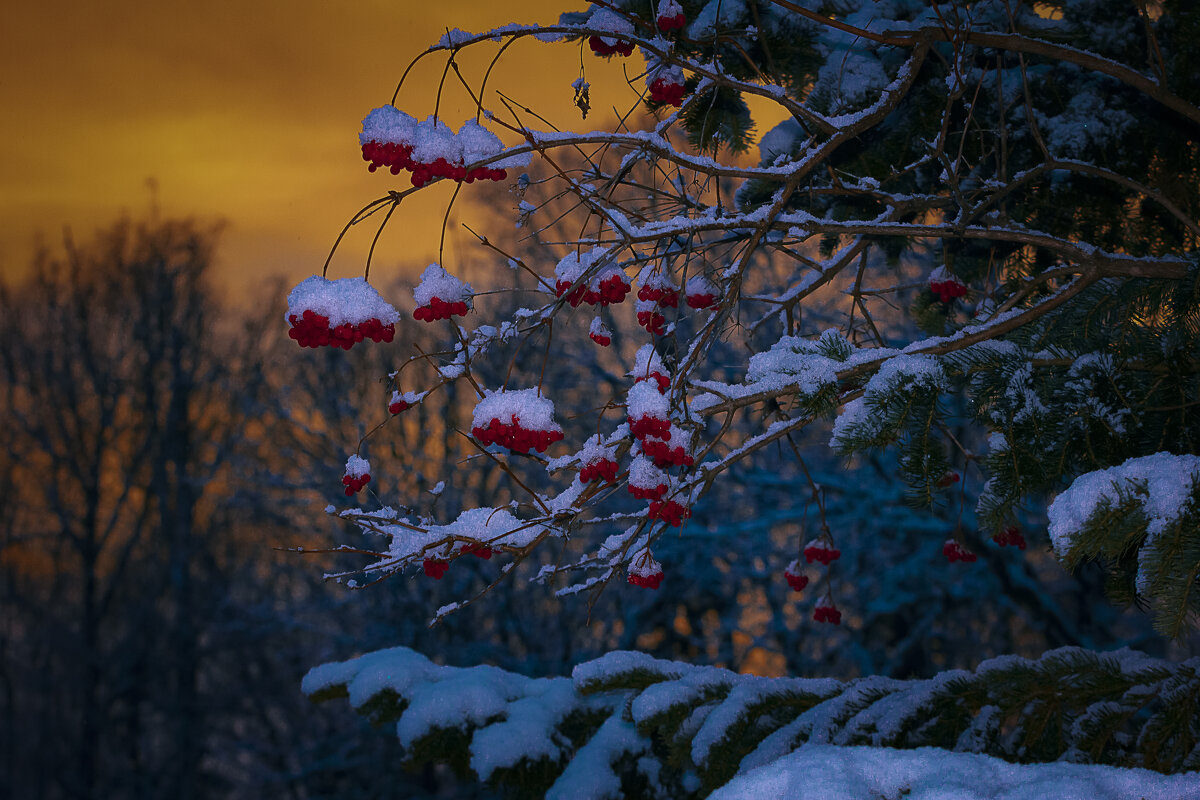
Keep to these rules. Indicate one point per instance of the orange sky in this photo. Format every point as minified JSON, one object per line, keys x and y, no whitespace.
{"x":246,"y":111}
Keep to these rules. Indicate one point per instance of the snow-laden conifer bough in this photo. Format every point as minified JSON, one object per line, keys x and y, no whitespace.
{"x":962,"y":222}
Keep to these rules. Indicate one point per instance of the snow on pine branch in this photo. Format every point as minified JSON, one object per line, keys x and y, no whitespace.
{"x":725,"y":734}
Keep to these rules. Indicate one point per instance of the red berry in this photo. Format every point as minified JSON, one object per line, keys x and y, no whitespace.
{"x":819,"y":550}
{"x":953,"y":552}
{"x":435,"y":568}
{"x":1010,"y":537}
{"x":477,"y":550}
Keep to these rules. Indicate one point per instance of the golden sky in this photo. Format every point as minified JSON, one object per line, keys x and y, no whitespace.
{"x":244,"y":111}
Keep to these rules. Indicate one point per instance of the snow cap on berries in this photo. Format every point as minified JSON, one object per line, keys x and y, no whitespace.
{"x":946,"y":286}
{"x":644,"y":571}
{"x":437,"y":282}
{"x":401,"y":401}
{"x":571,"y":266}
{"x":647,"y":364}
{"x":821,"y":550}
{"x":603,"y":19}
{"x":356,"y":467}
{"x":645,"y":400}
{"x":665,"y":84}
{"x":670,"y":16}
{"x":826,"y":611}
{"x":528,"y":405}
{"x":345,"y":301}
{"x":795,"y":577}
{"x":600,"y":333}
{"x":701,"y":292}
{"x":388,"y":124}
{"x":646,"y":481}
{"x":434,"y":139}
{"x":477,"y":142}
{"x":953,"y":551}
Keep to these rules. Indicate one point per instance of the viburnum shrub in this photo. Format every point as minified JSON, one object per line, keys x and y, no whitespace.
{"x":938,"y":251}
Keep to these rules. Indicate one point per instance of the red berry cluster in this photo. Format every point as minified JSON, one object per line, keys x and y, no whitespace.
{"x":794,"y":577}
{"x":397,"y":156}
{"x":669,"y":512}
{"x":672,"y":23}
{"x":664,"y":296}
{"x":947,"y":290}
{"x":827,"y":614}
{"x":600,"y":339}
{"x":514,"y":437}
{"x":439,"y":309}
{"x":604,"y":468}
{"x":652,"y":321}
{"x":647,"y":426}
{"x":821,"y":551}
{"x":397,"y":407}
{"x":651,"y":581}
{"x":435,"y":568}
{"x":609,"y":291}
{"x":476,"y":549}
{"x":664,"y":381}
{"x":947,"y":480}
{"x":646,"y":493}
{"x":1010,"y":537}
{"x":354,"y":484}
{"x":665,"y":456}
{"x":953,"y":551}
{"x":616,"y":48}
{"x":311,"y":329}
{"x":666,"y":92}
{"x":699,"y":301}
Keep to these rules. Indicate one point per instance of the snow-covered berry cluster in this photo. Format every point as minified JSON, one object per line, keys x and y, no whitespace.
{"x":646,"y":481}
{"x":520,"y":420}
{"x":440,"y":295}
{"x":666,"y":86}
{"x":648,"y":410}
{"x":666,"y":455}
{"x":701,"y":292}
{"x":658,"y":288}
{"x":429,"y":149}
{"x":597,"y":461}
{"x":945,"y":286}
{"x":608,"y":286}
{"x":656,"y":292}
{"x":1010,"y":537}
{"x":600,"y":333}
{"x":605,"y":469}
{"x":648,"y":365}
{"x":650,"y":318}
{"x":953,"y":551}
{"x":795,"y":577}
{"x":402,"y":401}
{"x":826,"y":611}
{"x":338,"y":313}
{"x":670,"y":16}
{"x":603,"y":19}
{"x":358,"y":474}
{"x":821,"y":550}
{"x":646,"y":572}
{"x":948,"y":479}
{"x":669,"y":512}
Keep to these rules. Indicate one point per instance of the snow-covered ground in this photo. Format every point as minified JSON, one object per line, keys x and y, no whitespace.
{"x":826,"y":772}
